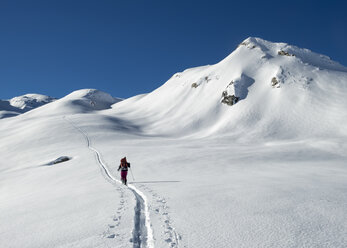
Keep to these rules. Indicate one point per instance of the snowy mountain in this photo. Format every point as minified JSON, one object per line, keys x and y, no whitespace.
{"x":283,"y":91}
{"x":80,"y":101}
{"x":77,"y":102}
{"x":249,"y":152}
{"x":22,"y":104}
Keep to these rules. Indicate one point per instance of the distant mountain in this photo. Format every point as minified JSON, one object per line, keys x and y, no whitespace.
{"x":22,"y":104}
{"x":261,"y":90}
{"x":30,"y":101}
{"x":79,"y":101}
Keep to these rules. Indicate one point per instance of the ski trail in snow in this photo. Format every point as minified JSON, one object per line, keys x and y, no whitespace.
{"x":160,"y":207}
{"x":142,"y":233}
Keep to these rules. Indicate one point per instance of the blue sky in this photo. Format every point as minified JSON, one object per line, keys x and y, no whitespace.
{"x":132,"y":47}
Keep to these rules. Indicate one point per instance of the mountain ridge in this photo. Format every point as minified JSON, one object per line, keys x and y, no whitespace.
{"x":261,"y":90}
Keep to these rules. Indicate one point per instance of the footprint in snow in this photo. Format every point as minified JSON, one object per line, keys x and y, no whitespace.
{"x":161,"y":200}
{"x":161,"y":208}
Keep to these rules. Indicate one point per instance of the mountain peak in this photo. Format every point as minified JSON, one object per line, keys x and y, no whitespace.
{"x":260,"y":89}
{"x":274,"y":49}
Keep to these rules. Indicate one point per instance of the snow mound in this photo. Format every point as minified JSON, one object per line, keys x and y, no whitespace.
{"x":93,"y":98}
{"x":91,"y":94}
{"x":80,"y":101}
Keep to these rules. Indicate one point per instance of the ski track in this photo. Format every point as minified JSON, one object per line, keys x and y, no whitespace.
{"x":142,"y":233}
{"x":160,"y":207}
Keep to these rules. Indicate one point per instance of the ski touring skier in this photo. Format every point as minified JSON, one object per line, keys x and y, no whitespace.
{"x":123,"y":167}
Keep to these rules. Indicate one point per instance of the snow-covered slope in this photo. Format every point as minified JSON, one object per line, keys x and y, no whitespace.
{"x":80,"y":101}
{"x":22,"y":104}
{"x":283,"y":92}
{"x":30,"y":101}
{"x":55,"y":204}
{"x":249,"y":152}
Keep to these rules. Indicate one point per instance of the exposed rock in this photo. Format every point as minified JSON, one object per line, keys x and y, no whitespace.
{"x":195,"y":85}
{"x":61,"y":160}
{"x":247,"y":44}
{"x":58,"y":160}
{"x":236,"y":90}
{"x":275,"y":83}
{"x":284,"y":53}
{"x":202,"y":80}
{"x":229,"y":99}
{"x":207,"y":79}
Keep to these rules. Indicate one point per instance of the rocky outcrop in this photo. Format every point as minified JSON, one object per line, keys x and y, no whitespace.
{"x":236,"y":90}
{"x":61,"y":160}
{"x":228,"y":96}
{"x":275,"y":83}
{"x":202,"y":80}
{"x":284,"y":53}
{"x":229,"y":99}
{"x":247,"y":44}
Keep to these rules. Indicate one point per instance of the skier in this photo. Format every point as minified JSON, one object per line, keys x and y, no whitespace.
{"x":124,"y":169}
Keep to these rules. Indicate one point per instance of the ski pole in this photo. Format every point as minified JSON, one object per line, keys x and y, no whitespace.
{"x":132,"y":173}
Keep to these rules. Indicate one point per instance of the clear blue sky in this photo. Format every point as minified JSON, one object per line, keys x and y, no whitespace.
{"x":131,"y":47}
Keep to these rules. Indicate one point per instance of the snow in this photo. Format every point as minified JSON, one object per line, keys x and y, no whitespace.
{"x":200,"y":114}
{"x":30,"y":101}
{"x":268,"y":171}
{"x":22,"y":104}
